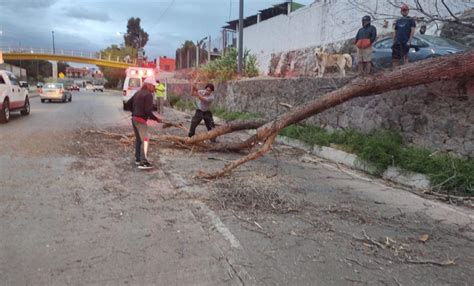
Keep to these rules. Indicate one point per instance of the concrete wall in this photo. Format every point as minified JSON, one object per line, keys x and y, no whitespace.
{"x":438,"y":116}
{"x":327,"y":21}
{"x":20,"y":73}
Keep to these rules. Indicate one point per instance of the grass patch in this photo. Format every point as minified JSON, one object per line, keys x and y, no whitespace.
{"x":384,"y":148}
{"x":234,"y":115}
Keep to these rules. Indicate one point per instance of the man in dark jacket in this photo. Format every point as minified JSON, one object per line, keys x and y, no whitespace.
{"x":364,"y":39}
{"x":142,"y":111}
{"x":404,"y":31}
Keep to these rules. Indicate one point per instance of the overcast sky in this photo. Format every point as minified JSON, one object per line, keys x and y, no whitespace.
{"x":90,"y":25}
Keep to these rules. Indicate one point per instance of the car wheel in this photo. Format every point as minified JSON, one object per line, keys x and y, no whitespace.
{"x":64,"y":99}
{"x":5,"y":112}
{"x":42,"y":101}
{"x":26,"y":108}
{"x":70,"y":98}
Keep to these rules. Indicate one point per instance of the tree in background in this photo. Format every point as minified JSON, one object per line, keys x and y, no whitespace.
{"x":38,"y":70}
{"x":115,"y":75}
{"x":136,"y":37}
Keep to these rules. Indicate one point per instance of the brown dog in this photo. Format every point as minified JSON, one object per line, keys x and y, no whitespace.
{"x":325,"y":60}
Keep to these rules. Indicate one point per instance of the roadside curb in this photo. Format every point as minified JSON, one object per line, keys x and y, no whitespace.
{"x":416,"y":181}
{"x":413,"y":180}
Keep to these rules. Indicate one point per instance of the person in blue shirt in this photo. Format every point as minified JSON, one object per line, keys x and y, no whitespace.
{"x":402,"y":36}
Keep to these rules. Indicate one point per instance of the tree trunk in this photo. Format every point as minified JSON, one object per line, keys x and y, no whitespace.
{"x":423,"y":72}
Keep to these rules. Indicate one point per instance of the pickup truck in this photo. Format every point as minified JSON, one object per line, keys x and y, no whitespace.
{"x":98,"y":87}
{"x":13,"y":97}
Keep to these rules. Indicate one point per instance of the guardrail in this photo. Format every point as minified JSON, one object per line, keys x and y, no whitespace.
{"x":71,"y":53}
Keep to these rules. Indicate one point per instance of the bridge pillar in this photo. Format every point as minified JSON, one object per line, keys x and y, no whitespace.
{"x":55,"y":70}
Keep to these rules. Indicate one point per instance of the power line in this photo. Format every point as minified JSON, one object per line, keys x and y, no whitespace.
{"x":162,"y":14}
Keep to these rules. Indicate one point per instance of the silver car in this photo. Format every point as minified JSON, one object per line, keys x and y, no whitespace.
{"x":55,"y":91}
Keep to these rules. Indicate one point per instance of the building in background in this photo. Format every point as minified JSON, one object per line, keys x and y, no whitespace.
{"x":167,"y":64}
{"x":84,"y":73}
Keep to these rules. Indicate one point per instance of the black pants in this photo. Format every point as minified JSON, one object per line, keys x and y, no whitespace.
{"x":198,"y":116}
{"x":141,"y":137}
{"x":399,"y":51}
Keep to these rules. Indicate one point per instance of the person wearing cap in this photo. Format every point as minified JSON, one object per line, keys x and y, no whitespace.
{"x":365,"y":37}
{"x":402,"y":36}
{"x":142,"y":111}
{"x":203,"y":111}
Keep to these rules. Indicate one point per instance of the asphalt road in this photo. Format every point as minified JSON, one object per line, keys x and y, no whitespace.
{"x":64,"y":219}
{"x":74,"y":210}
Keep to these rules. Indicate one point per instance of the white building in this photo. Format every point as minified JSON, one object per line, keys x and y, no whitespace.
{"x":330,"y":21}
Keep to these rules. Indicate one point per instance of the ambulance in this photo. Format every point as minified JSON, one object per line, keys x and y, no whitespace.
{"x":133,"y":82}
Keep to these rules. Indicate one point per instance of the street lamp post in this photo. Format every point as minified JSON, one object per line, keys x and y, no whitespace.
{"x":54,"y":50}
{"x":241,"y":38}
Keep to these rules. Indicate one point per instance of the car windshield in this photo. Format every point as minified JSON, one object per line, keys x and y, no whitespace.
{"x":53,"y":85}
{"x":442,"y":42}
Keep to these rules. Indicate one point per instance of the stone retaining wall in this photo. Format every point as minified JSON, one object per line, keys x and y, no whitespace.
{"x":439,"y":116}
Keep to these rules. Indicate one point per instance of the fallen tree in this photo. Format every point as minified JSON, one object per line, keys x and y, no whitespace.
{"x":450,"y":67}
{"x":423,"y":72}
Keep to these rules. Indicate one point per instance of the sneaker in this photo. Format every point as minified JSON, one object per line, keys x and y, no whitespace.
{"x":145,"y":166}
{"x":137,"y":163}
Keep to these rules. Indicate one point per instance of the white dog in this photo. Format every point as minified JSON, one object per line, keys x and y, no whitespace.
{"x":325,"y":60}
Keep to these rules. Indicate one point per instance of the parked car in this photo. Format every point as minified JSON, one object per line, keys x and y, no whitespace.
{"x":55,"y":91}
{"x":98,"y":87}
{"x":423,"y":47}
{"x":39,"y":85}
{"x":12,"y":96}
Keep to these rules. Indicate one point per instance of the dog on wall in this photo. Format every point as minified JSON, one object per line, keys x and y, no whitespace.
{"x":324,"y":60}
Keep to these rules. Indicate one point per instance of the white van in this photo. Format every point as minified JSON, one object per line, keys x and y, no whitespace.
{"x":133,"y":82}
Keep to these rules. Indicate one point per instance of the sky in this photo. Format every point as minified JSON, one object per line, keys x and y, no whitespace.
{"x":91,"y":25}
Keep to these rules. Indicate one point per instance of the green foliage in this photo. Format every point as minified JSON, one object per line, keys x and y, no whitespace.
{"x":115,"y":75}
{"x":183,"y":104}
{"x":136,"y":37}
{"x":251,"y":69}
{"x":173,"y":99}
{"x":225,"y":68}
{"x":188,"y":45}
{"x":444,"y":170}
{"x":234,"y":115}
{"x":383,"y":148}
{"x":38,"y":69}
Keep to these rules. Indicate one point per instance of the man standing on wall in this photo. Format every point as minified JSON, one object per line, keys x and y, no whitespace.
{"x":402,"y":36}
{"x":365,"y":37}
{"x":205,"y":99}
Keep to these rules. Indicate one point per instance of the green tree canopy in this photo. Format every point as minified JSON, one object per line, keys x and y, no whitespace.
{"x":115,"y":75}
{"x":136,"y":37}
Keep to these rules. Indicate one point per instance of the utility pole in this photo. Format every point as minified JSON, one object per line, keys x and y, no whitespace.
{"x":241,"y":38}
{"x":54,"y":50}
